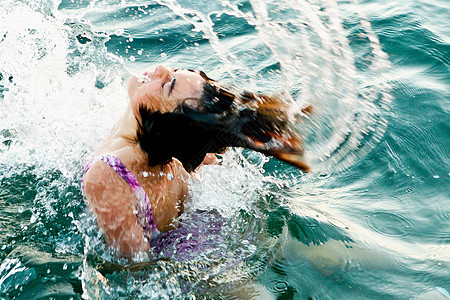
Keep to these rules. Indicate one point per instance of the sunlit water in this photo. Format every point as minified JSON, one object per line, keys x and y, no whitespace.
{"x":370,"y":221}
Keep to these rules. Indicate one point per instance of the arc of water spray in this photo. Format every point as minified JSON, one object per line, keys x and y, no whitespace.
{"x":205,"y":25}
{"x":298,"y":55}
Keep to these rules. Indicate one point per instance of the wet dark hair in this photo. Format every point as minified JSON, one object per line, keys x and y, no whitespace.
{"x":223,"y":116}
{"x":216,"y":100}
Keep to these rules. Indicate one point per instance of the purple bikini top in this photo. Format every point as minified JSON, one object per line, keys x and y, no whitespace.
{"x":144,"y":210}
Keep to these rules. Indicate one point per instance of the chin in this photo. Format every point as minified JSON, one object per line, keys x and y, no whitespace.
{"x":133,"y":83}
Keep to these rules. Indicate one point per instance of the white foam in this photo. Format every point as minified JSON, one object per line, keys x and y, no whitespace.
{"x":227,"y":188}
{"x":52,"y":110}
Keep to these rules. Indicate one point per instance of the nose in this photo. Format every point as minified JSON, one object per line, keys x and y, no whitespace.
{"x":163,"y":72}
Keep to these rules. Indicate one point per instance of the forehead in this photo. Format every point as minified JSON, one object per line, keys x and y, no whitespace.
{"x":188,"y":84}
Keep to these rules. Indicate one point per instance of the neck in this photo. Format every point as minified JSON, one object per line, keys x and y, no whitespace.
{"x":127,"y":126}
{"x":122,"y":135}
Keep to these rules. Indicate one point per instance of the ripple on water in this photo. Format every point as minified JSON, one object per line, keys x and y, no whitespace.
{"x":277,"y":286}
{"x":443,"y":215}
{"x":389,"y":223}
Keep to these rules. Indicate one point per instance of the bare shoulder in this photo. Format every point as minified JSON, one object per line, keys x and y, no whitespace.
{"x":99,"y":178}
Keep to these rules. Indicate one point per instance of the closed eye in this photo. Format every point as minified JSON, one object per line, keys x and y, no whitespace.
{"x":172,"y":85}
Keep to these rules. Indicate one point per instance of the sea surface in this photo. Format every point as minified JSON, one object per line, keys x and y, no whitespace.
{"x":370,"y":221}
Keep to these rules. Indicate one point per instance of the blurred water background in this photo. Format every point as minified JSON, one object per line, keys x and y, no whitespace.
{"x":371,"y":221}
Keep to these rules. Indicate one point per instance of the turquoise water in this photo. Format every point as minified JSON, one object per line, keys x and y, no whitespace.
{"x":371,"y":221}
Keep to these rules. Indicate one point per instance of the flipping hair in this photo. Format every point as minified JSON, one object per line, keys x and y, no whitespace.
{"x":220,"y":118}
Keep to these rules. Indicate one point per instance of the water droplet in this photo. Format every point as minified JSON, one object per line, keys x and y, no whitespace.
{"x":132,"y":58}
{"x":118,"y":32}
{"x":435,"y":176}
{"x":163,"y":56}
{"x":33,"y":218}
{"x":65,"y":267}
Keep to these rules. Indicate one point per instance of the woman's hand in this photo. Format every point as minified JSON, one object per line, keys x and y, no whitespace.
{"x":210,"y":159}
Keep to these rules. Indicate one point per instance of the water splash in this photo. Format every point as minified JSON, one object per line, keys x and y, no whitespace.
{"x":318,"y":69}
{"x":54,"y":91}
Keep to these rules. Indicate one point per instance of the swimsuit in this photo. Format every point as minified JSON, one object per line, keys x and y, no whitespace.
{"x":202,"y":239}
{"x":199,"y":233}
{"x":144,"y":210}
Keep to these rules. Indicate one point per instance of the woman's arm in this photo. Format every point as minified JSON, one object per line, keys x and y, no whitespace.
{"x":110,"y":198}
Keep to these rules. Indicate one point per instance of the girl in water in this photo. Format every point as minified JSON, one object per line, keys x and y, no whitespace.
{"x":176,"y":120}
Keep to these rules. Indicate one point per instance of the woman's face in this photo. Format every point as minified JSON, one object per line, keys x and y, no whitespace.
{"x":164,"y":89}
